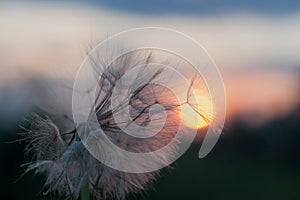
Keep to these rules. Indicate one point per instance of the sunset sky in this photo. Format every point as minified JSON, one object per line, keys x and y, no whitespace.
{"x":256,"y":49}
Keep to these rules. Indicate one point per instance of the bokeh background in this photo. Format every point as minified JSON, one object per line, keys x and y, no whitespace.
{"x":256,"y":45}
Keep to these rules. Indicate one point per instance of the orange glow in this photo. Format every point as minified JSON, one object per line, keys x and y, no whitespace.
{"x":199,"y":114}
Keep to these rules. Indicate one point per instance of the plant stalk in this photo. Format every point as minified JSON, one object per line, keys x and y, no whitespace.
{"x":85,"y":194}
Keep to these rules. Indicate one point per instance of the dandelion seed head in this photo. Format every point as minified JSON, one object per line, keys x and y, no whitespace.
{"x":68,"y":165}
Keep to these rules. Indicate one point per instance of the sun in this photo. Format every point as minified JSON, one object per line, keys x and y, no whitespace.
{"x":190,"y":112}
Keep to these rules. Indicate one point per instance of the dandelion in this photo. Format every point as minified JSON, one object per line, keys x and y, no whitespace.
{"x":71,"y":171}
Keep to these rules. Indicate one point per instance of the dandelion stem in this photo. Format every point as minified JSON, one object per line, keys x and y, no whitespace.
{"x":85,"y":195}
